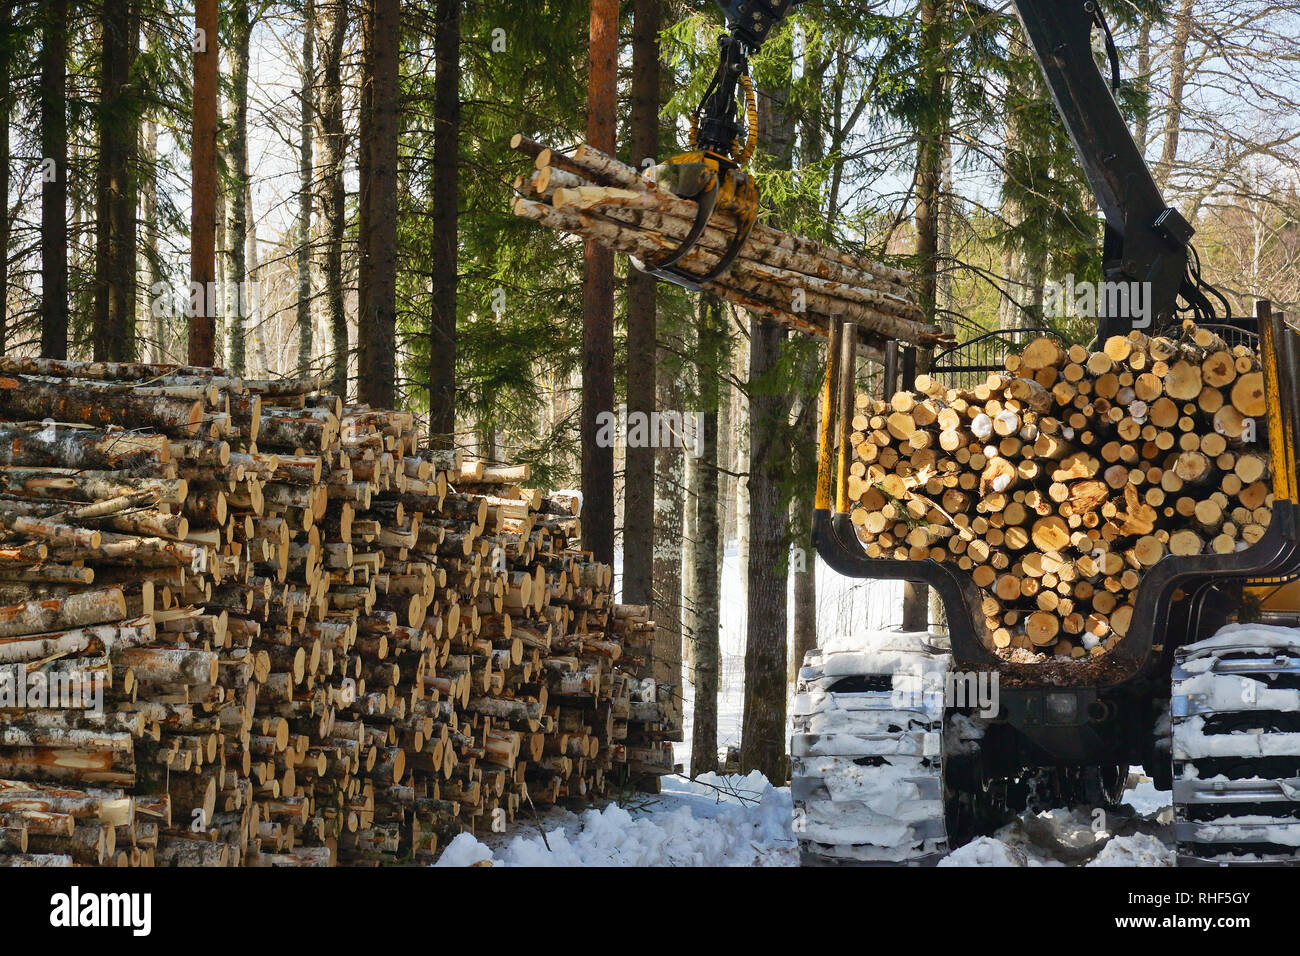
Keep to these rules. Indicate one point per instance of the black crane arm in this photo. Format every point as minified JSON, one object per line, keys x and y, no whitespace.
{"x":749,"y":23}
{"x":1145,"y":239}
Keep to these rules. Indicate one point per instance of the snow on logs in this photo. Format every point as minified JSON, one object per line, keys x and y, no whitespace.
{"x":1057,"y":483}
{"x":792,"y":280}
{"x":243,"y":623}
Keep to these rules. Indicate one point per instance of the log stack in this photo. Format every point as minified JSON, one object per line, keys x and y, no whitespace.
{"x":792,"y":280}
{"x":1059,"y":482}
{"x":317,"y":642}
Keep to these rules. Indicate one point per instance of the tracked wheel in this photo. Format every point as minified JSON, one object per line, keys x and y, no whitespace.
{"x":1235,"y":709}
{"x":867,"y":758}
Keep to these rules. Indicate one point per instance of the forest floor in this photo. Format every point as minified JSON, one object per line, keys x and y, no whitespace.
{"x":745,"y":821}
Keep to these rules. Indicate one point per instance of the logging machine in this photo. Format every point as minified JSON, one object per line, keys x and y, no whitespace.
{"x":927,"y":776}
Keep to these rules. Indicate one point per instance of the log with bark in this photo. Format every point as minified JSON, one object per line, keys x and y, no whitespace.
{"x":796,"y":281}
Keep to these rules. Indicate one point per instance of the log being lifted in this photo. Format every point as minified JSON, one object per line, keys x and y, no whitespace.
{"x":793,"y":280}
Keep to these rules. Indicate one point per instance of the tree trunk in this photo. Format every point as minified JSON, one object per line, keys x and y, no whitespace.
{"x":740,"y":428}
{"x":54,"y":180}
{"x":929,"y":180}
{"x":446,"y":223}
{"x":706,"y":654}
{"x":113,"y":328}
{"x":762,"y":744}
{"x":763,"y":730}
{"x":377,"y":321}
{"x":305,"y":169}
{"x":1177,"y":80}
{"x":1142,"y":125}
{"x":365,"y":176}
{"x":6,"y":38}
{"x":804,"y":636}
{"x":221,"y":300}
{"x":333,"y":196}
{"x":252,"y":295}
{"x":667,"y":565}
{"x":691,"y":469}
{"x":639,"y":472}
{"x":153,"y":301}
{"x":598,"y":298}
{"x":241,"y":35}
{"x":726,"y":491}
{"x":203,"y":205}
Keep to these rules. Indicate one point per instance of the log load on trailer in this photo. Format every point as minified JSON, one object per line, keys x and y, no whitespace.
{"x":1090,"y":518}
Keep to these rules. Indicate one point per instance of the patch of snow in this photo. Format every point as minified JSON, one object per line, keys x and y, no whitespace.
{"x":1192,"y":743}
{"x":1239,"y":635}
{"x":1140,"y":849}
{"x":1235,"y":692}
{"x":986,"y":851}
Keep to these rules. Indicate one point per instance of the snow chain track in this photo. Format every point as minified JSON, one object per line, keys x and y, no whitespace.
{"x":1235,"y":709}
{"x":866,"y":752}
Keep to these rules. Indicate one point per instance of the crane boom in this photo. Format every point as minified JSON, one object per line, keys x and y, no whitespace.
{"x":1145,"y":240}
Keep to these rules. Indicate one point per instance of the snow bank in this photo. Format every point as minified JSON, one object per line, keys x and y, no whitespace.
{"x":986,"y":851}
{"x":1140,"y":849}
{"x":714,"y":821}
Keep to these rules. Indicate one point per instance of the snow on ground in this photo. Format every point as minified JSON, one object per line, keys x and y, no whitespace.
{"x":1141,"y":849}
{"x":986,"y":851}
{"x":1136,"y":834}
{"x":711,"y":821}
{"x":744,"y":821}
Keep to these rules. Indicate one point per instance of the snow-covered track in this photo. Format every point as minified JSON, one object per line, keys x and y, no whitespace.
{"x":1235,"y":709}
{"x":867,"y":774}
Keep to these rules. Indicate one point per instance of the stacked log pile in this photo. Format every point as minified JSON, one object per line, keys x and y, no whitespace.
{"x":1056,"y":484}
{"x":795,"y":281}
{"x":315,"y":641}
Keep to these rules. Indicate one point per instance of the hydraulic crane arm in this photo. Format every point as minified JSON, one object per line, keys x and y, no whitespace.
{"x":713,"y":172}
{"x":1145,"y":239}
